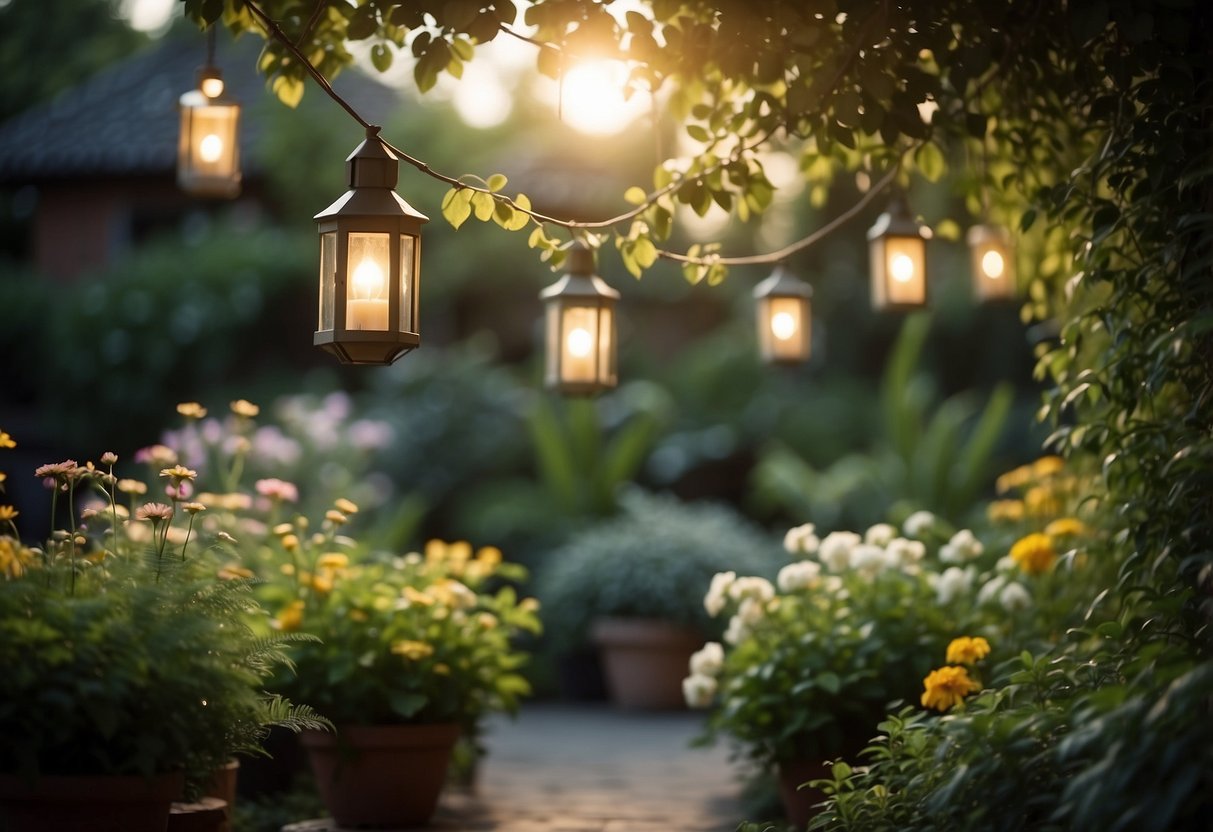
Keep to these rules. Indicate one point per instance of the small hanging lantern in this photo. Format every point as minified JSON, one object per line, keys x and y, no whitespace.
{"x":993,"y":259}
{"x":784,"y":317}
{"x":208,"y":147}
{"x":897,"y":244}
{"x":370,"y":263}
{"x":580,"y":328}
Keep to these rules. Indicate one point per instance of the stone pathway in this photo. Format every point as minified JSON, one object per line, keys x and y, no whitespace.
{"x":562,"y":768}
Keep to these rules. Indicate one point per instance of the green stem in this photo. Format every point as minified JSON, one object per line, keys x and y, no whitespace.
{"x":188,"y":532}
{"x":71,"y":533}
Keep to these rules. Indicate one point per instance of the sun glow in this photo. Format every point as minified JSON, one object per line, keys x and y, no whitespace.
{"x":592,"y":98}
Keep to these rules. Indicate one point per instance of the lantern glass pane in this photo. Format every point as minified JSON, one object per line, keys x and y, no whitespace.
{"x":368,"y":276}
{"x":784,"y":333}
{"x":993,"y":271}
{"x":408,"y":266}
{"x":551,"y":372}
{"x":213,"y":146}
{"x":905,"y":270}
{"x":579,"y":344}
{"x":328,"y":278}
{"x":606,"y":346}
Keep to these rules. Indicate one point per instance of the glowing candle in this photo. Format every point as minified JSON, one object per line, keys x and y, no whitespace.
{"x":367,"y":308}
{"x":210,"y":149}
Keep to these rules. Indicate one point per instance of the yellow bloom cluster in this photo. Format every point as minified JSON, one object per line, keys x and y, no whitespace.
{"x":967,"y":650}
{"x":412,"y":650}
{"x":290,"y":618}
{"x":1034,"y":554}
{"x":1066,"y":527}
{"x":1005,"y":511}
{"x":15,"y":558}
{"x":946,"y":687}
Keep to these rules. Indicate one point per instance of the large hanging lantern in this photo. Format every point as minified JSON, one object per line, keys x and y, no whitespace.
{"x":580,"y":328}
{"x":898,"y":249}
{"x":208,"y":146}
{"x":783,"y":305}
{"x":993,"y":259}
{"x":370,"y":263}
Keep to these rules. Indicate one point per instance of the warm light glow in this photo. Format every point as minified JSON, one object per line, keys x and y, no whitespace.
{"x":212,"y":87}
{"x":368,"y":280}
{"x":210,"y":149}
{"x":580,"y":342}
{"x":783,"y":325}
{"x":592,"y":98}
{"x":992,"y":264}
{"x":902,"y":268}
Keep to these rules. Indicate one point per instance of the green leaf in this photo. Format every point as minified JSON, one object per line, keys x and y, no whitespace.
{"x":930,"y":161}
{"x":363,"y":24}
{"x":520,"y":220}
{"x":635,"y":195}
{"x":829,"y":682}
{"x":457,"y":206}
{"x":289,"y":90}
{"x":381,"y":57}
{"x":483,"y":204}
{"x":496,"y":182}
{"x":645,"y":252}
{"x":504,"y":214}
{"x":406,"y":704}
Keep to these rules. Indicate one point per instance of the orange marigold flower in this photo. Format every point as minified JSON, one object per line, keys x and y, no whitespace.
{"x":946,"y":687}
{"x":191,"y":410}
{"x":1047,"y":466}
{"x":245,"y":408}
{"x":290,"y":618}
{"x":1066,"y":527}
{"x":1034,"y":554}
{"x":6,"y":441}
{"x":967,"y":650}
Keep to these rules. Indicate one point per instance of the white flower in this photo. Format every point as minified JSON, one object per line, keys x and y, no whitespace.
{"x":737,"y":630}
{"x":962,"y":548}
{"x":990,"y":591}
{"x":903,"y":553}
{"x":880,"y":534}
{"x":868,"y":560}
{"x":804,"y":574}
{"x":751,"y":611}
{"x":954,"y":581}
{"x":801,"y":540}
{"x":835,"y":550}
{"x":1006,"y":564}
{"x":1014,"y":597}
{"x":832,"y":584}
{"x":698,"y":690}
{"x":717,"y":595}
{"x":757,"y":588}
{"x":707,"y":660}
{"x":918,"y":523}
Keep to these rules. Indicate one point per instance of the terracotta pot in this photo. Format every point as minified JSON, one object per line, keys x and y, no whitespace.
{"x":223,"y":787}
{"x":381,"y":775}
{"x":645,"y":660}
{"x":209,"y":814}
{"x":88,"y":803}
{"x":798,"y":802}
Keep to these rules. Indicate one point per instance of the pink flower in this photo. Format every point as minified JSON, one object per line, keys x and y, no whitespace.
{"x":154,"y":512}
{"x":277,"y":489}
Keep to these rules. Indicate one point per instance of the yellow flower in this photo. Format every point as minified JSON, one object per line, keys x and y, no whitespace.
{"x":442,"y":669}
{"x":287,"y":569}
{"x":333,"y":560}
{"x":415,"y":596}
{"x":234,"y":570}
{"x":178,"y":473}
{"x":486,"y":620}
{"x":358,"y":615}
{"x":1017,"y":478}
{"x":335,"y":517}
{"x":413,"y":650}
{"x":132,"y":487}
{"x":1041,"y":501}
{"x":1009,"y":511}
{"x":1034,"y":554}
{"x":435,"y":552}
{"x":290,"y":618}
{"x":283,"y":528}
{"x":191,"y":410}
{"x":290,"y":542}
{"x":8,"y":513}
{"x":15,"y":559}
{"x":247,"y":409}
{"x":529,"y":605}
{"x":345,"y":506}
{"x":1047,"y":466}
{"x":946,"y":687}
{"x":459,"y":552}
{"x":1066,"y":526}
{"x":966,"y":650}
{"x":194,"y":508}
{"x":489,"y":556}
{"x":323,"y":582}
{"x":6,"y":441}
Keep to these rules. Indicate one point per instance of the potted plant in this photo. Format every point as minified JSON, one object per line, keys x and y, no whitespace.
{"x":633,"y":586}
{"x":808,"y":665}
{"x":131,"y":673}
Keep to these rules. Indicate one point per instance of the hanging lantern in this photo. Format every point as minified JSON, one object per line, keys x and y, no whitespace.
{"x":784,"y":322}
{"x":580,"y":328}
{"x":897,"y":244}
{"x":993,"y":260}
{"x":208,"y":147}
{"x":370,"y":259}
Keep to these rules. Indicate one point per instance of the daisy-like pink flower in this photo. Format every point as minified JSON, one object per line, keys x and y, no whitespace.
{"x":161,"y":456}
{"x":58,"y":472}
{"x":277,"y":489}
{"x":109,"y":458}
{"x":179,"y":474}
{"x":194,"y":508}
{"x":155,"y":512}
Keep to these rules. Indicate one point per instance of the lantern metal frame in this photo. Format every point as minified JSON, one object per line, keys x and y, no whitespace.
{"x":780,"y":293}
{"x":981,"y":240}
{"x":895,"y":225}
{"x":371,"y":206}
{"x":580,"y":288}
{"x":219,"y":116}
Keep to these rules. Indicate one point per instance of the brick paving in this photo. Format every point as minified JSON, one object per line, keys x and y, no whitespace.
{"x":561,"y":768}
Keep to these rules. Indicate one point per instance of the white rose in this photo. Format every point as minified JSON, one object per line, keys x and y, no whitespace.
{"x":714,"y":601}
{"x":962,"y":548}
{"x":880,"y":534}
{"x":751,"y":611}
{"x":757,"y":588}
{"x":698,"y":690}
{"x":801,"y":540}
{"x":990,"y":591}
{"x":1014,"y":597}
{"x":904,"y":552}
{"x":1006,"y":564}
{"x":803,"y":574}
{"x":868,"y":560}
{"x":918,"y":523}
{"x":835,"y":550}
{"x":954,"y":581}
{"x":737,"y":631}
{"x":707,"y":660}
{"x":832,"y":584}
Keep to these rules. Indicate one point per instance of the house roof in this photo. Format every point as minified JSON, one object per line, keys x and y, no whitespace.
{"x":123,"y":121}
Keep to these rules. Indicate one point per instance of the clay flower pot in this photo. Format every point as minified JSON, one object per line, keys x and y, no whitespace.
{"x":88,"y":803}
{"x":798,"y":802}
{"x":381,"y":775}
{"x":645,"y":660}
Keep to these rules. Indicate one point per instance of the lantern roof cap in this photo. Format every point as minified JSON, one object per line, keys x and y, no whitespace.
{"x":782,"y":283}
{"x":986,"y":233}
{"x":579,"y":281}
{"x":896,"y":221}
